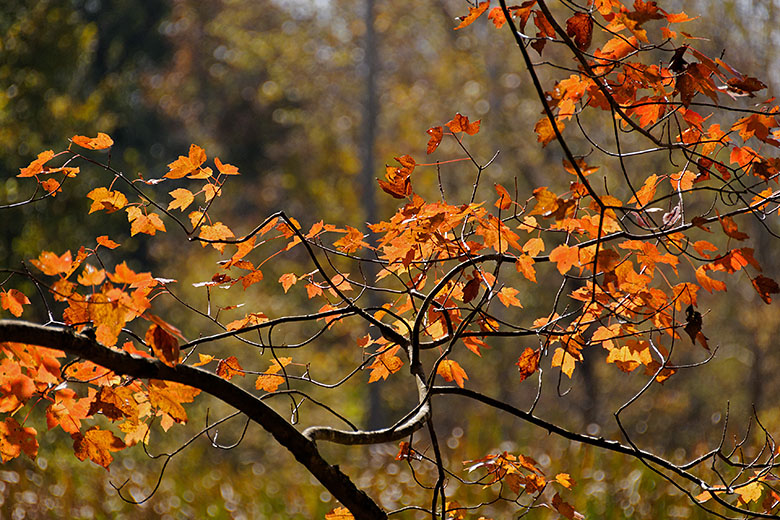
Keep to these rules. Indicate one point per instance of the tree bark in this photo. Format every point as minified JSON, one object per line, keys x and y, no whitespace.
{"x":305,"y":451}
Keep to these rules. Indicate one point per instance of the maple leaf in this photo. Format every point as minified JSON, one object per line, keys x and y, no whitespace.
{"x":104,"y":241}
{"x":13,"y":300}
{"x":227,"y":368}
{"x":163,"y":344}
{"x":288,"y":280}
{"x":504,"y":199}
{"x":96,"y":445}
{"x":15,"y":439}
{"x":528,"y":363}
{"x":508,"y":296}
{"x":51,"y":264}
{"x":436,"y":134}
{"x":730,"y":228}
{"x":340,"y":513}
{"x":474,"y":13}
{"x":67,"y":411}
{"x":765,"y":286}
{"x":91,"y":275}
{"x":36,"y":167}
{"x":562,"y":507}
{"x":269,"y":381}
{"x":398,"y":182}
{"x":545,"y":131}
{"x":225,"y":169}
{"x":186,"y":165}
{"x":352,"y":241}
{"x":101,"y":142}
{"x":452,"y":371}
{"x":182,"y":198}
{"x":168,"y":397}
{"x":143,"y":223}
{"x":524,"y":264}
{"x":114,"y":402}
{"x":565,"y":257}
{"x":218,"y":232}
{"x":745,"y":85}
{"x":562,"y":358}
{"x":385,"y":364}
{"x":580,"y":27}
{"x":565,"y":480}
{"x":460,"y":123}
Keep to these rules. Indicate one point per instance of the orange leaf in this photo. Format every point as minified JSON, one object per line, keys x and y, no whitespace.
{"x":36,"y":166}
{"x":13,"y":300}
{"x":227,"y":368}
{"x":96,"y":445}
{"x":101,"y":142}
{"x":565,"y":257}
{"x":340,"y":513}
{"x":167,"y":397}
{"x":288,"y":280}
{"x":528,"y":363}
{"x":108,"y":200}
{"x":508,"y":296}
{"x":51,"y":264}
{"x":182,"y":198}
{"x":164,"y":345}
{"x":15,"y":439}
{"x":385,"y":364}
{"x":67,"y":411}
{"x":460,"y":123}
{"x":504,"y":199}
{"x":104,"y":241}
{"x":186,"y":165}
{"x":474,"y":13}
{"x":524,"y":264}
{"x":436,"y":134}
{"x":218,"y":232}
{"x":91,"y":275}
{"x":352,"y":241}
{"x":452,"y":371}
{"x":140,"y":223}
{"x":565,"y":480}
{"x":561,"y":358}
{"x":225,"y":169}
{"x":545,"y":131}
{"x":646,"y":192}
{"x":710,"y":284}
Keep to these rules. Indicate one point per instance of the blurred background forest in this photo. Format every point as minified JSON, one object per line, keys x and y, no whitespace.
{"x":310,"y":103}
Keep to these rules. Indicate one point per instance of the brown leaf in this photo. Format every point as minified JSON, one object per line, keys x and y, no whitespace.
{"x":164,"y":345}
{"x":580,"y":27}
{"x":765,"y":286}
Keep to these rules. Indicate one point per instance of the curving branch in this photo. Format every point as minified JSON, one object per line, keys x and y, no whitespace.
{"x":302,"y":448}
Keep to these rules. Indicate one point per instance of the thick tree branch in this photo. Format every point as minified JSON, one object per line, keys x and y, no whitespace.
{"x":303,"y":449}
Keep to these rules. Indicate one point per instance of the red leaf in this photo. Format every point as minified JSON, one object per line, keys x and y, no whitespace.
{"x":460,"y":123}
{"x":580,"y":27}
{"x":436,"y":134}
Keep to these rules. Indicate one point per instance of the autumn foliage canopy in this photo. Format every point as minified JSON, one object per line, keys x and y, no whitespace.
{"x":666,"y":159}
